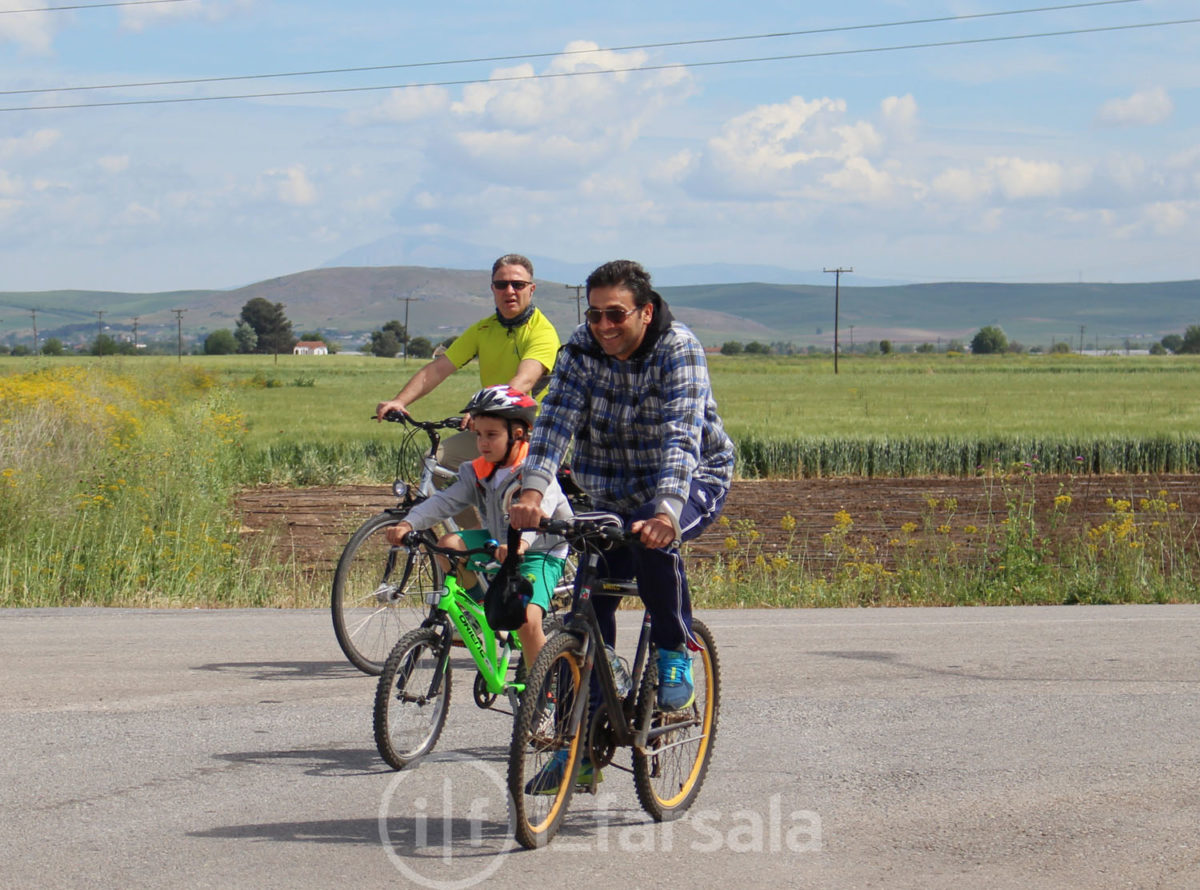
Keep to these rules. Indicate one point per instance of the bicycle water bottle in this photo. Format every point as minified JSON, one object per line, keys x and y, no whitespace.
{"x":620,"y":669}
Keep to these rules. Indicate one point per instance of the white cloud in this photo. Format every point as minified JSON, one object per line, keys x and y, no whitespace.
{"x":1142,"y":109}
{"x":859,"y":180}
{"x":113,"y":164}
{"x":405,"y":106}
{"x":900,"y":116}
{"x":1011,"y":178}
{"x":292,"y":186}
{"x":144,"y":16}
{"x":29,"y":145}
{"x":31,"y":30}
{"x":1168,"y":217}
{"x":8,"y":185}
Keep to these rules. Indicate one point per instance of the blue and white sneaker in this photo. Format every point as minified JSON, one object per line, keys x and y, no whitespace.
{"x":675,"y":689}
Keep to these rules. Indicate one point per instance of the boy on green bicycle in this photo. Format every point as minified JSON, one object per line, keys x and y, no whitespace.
{"x":502,"y":418}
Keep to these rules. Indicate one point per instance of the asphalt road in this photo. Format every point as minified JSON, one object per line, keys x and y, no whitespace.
{"x":923,"y":748}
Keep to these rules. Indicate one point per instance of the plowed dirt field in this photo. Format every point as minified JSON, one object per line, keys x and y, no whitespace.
{"x":313,"y":523}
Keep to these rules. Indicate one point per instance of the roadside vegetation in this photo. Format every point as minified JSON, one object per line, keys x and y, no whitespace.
{"x":117,"y":475}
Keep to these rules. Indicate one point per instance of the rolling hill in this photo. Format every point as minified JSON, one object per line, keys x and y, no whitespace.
{"x":347,"y":302}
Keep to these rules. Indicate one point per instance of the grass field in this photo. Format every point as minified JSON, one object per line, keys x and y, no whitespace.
{"x":117,"y":474}
{"x":307,"y":417}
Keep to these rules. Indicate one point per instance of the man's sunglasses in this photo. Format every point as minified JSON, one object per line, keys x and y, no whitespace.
{"x":518,"y":286}
{"x":614,"y":314}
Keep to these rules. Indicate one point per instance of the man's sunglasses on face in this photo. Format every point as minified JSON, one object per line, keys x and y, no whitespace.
{"x":614,"y":314}
{"x":518,"y":286}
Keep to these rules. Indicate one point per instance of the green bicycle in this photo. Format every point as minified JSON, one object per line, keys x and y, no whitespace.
{"x":412,"y":698}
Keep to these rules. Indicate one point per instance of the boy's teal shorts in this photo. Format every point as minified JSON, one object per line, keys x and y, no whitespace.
{"x":543,"y":570}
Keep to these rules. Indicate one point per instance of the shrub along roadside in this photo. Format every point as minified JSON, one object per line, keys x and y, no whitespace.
{"x":116,"y":490}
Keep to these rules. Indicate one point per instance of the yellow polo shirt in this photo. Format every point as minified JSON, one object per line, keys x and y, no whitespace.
{"x":501,"y":349}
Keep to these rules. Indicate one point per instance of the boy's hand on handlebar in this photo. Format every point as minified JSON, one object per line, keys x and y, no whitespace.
{"x":397,"y":533}
{"x":656,"y":532}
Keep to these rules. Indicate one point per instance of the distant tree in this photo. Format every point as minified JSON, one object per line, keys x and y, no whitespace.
{"x":448,"y":342}
{"x":244,"y":337}
{"x":1157,"y":349}
{"x":21,"y":349}
{"x":384,"y":344}
{"x":1173,"y":342}
{"x":271,"y":326}
{"x":988,"y":340}
{"x":104,"y":345}
{"x":1060,"y":348}
{"x":756,"y":348}
{"x":53,"y":346}
{"x":926,"y":348}
{"x":732,"y":347}
{"x":1191,"y":340}
{"x":420,"y":347}
{"x":1014,"y":347}
{"x":885,"y":346}
{"x":220,"y":342}
{"x":955,"y":345}
{"x":5,"y":349}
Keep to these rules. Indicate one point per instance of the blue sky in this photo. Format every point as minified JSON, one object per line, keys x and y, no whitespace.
{"x":1065,"y":158}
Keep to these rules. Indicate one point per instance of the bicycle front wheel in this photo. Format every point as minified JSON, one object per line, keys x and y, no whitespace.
{"x":412,"y":698}
{"x":547,"y":745}
{"x":379,"y":593}
{"x":669,"y":771}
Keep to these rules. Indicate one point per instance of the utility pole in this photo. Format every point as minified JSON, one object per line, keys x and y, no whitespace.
{"x":99,"y":328}
{"x":407,"y":300}
{"x":851,"y":338}
{"x":179,"y":330}
{"x":1081,"y":330}
{"x":578,"y":288}
{"x":837,"y":299}
{"x":135,"y":321}
{"x":33,"y":312}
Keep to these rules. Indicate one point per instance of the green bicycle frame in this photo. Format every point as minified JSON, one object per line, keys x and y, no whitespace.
{"x":492,"y":655}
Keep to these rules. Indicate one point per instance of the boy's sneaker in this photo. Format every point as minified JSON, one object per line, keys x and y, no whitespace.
{"x":550,"y":777}
{"x":675,"y":690}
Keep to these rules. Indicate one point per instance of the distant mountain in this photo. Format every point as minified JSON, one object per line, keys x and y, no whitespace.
{"x":448,"y":253}
{"x":349,"y":302}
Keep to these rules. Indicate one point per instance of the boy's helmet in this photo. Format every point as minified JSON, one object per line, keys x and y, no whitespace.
{"x":503,"y":401}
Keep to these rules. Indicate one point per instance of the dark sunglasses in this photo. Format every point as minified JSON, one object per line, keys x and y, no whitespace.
{"x":518,"y":286}
{"x":614,"y":314}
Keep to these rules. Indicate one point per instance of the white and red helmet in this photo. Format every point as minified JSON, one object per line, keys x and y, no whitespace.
{"x":503,"y":401}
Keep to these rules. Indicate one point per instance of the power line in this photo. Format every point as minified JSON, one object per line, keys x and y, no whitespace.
{"x":600,"y":71}
{"x":90,"y":6}
{"x":574,"y":52}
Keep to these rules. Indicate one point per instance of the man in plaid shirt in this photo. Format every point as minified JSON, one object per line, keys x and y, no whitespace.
{"x":631,"y":387}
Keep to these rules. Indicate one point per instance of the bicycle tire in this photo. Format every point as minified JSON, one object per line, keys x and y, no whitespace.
{"x":668,"y":773}
{"x":408,"y":719}
{"x":379,"y":594}
{"x":540,"y":731}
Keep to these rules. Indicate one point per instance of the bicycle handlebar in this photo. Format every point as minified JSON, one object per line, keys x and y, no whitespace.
{"x":422,"y":539}
{"x":605,"y":529}
{"x":427,"y":425}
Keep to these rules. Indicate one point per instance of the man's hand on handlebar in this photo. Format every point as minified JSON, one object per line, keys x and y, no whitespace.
{"x":526,"y":510}
{"x":655,"y":532}
{"x":382,"y":409}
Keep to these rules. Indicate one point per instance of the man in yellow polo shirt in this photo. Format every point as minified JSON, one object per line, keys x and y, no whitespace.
{"x":516,"y":345}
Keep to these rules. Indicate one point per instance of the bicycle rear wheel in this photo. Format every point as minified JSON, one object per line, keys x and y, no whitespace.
{"x":412,"y":698}
{"x":379,"y":593}
{"x":669,"y":771}
{"x":546,"y":748}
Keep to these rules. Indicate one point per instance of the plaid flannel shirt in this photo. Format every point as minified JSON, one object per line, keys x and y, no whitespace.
{"x":644,"y":428}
